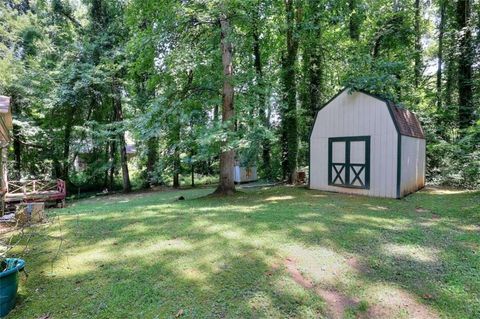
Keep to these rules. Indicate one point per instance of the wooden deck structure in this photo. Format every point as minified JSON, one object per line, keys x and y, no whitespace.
{"x":15,"y":192}
{"x":35,"y":191}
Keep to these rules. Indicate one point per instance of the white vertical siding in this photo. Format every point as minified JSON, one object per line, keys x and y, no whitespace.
{"x":356,"y":114}
{"x":244,"y":174}
{"x":413,"y":165}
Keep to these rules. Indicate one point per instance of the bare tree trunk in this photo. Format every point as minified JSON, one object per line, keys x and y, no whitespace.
{"x":17,"y":145}
{"x":127,"y":187}
{"x":418,"y":45}
{"x":226,"y":184}
{"x":176,"y":157}
{"x":152,"y":158}
{"x":267,"y":168}
{"x":441,"y":32}
{"x":193,"y":175}
{"x":66,"y":146}
{"x":290,"y":116}
{"x":316,"y":68}
{"x":466,"y":114}
{"x":112,"y":164}
{"x":118,"y":115}
{"x":354,"y":23}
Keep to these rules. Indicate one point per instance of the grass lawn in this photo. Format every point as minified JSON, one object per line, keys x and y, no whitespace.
{"x":264,"y":253}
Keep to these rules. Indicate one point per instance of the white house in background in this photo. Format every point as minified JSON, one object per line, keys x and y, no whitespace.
{"x":86,"y":147}
{"x":364,"y":144}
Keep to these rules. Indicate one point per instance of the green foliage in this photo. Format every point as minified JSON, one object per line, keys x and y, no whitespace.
{"x":66,"y":62}
{"x":149,"y":255}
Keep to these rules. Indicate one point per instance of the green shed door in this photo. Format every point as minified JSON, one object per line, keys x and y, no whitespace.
{"x":349,"y":161}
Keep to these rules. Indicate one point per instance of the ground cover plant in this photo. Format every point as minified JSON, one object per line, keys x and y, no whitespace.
{"x":264,"y":252}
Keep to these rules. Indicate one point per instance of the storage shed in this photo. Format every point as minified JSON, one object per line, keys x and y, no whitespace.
{"x":244,"y":174}
{"x":363,"y":144}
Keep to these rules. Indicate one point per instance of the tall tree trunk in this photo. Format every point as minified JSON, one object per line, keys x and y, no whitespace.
{"x":466,"y":115}
{"x":290,"y":116}
{"x":118,"y":115}
{"x":441,"y":31}
{"x":262,"y":112}
{"x":152,"y":158}
{"x":107,"y":158}
{"x":17,"y":145}
{"x":226,"y":184}
{"x":316,"y":69}
{"x":418,"y":44}
{"x":113,"y":150}
{"x":176,"y":157}
{"x":192,"y":173}
{"x":66,"y":145}
{"x":354,"y":23}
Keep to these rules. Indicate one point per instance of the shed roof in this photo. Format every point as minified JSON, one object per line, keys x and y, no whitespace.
{"x":406,"y":121}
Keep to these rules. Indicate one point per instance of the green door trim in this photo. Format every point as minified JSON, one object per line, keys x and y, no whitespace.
{"x":356,"y":167}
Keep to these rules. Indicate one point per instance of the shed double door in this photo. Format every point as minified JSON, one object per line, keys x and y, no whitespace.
{"x":349,"y":161}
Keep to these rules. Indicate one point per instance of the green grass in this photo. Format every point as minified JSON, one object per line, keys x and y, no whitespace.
{"x":147,"y":255}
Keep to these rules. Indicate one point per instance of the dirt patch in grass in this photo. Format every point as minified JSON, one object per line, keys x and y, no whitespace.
{"x":421,"y":210}
{"x":356,"y":264}
{"x":393,"y":303}
{"x":297,"y":275}
{"x":337,"y":303}
{"x":388,"y":302}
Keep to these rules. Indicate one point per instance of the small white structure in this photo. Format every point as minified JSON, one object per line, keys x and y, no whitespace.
{"x":242,"y":174}
{"x":364,"y":144}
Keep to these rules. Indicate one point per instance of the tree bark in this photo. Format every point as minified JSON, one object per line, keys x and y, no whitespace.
{"x":112,"y":164}
{"x":176,"y":157}
{"x":152,"y":158}
{"x":267,"y":168}
{"x":354,"y":23}
{"x":17,"y":145}
{"x":441,"y":31}
{"x":118,"y":115}
{"x":316,"y":69}
{"x":226,"y":184}
{"x":466,"y":114}
{"x":66,"y":145}
{"x":290,"y":116}
{"x":418,"y":45}
{"x":193,"y":174}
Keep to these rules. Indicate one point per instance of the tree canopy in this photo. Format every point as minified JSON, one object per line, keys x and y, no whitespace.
{"x":90,"y":78}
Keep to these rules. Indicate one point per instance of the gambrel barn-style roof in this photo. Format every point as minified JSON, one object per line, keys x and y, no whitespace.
{"x":361,"y":143}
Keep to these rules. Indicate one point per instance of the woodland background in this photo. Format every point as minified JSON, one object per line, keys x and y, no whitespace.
{"x":84,"y":75}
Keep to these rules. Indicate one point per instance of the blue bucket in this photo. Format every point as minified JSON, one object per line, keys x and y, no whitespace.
{"x":9,"y":284}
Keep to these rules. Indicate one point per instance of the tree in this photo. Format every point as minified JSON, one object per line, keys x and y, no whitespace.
{"x":226,"y":184}
{"x":262,"y":103}
{"x":418,"y":44}
{"x":441,"y":33}
{"x":355,"y":20}
{"x":289,"y":112}
{"x":466,"y":114}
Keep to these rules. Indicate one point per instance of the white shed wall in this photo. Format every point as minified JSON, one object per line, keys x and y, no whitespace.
{"x":244,"y":174}
{"x":356,"y":114}
{"x":413,"y":165}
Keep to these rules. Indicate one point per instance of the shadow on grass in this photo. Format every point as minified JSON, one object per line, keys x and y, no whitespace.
{"x":150,"y":255}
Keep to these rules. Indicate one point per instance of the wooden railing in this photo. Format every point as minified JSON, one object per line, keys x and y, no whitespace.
{"x":35,"y":186}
